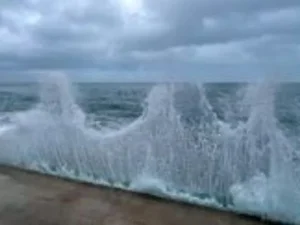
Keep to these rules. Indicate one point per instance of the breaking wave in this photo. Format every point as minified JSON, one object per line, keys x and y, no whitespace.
{"x":244,"y":164}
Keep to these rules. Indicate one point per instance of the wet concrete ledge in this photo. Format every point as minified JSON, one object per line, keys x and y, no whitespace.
{"x":34,"y":199}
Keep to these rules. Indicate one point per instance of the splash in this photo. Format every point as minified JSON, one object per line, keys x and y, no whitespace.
{"x":239,"y":165}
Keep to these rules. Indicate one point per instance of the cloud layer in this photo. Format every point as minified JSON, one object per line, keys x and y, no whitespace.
{"x":136,"y":39}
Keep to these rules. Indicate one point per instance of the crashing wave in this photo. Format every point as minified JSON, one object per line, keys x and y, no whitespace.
{"x":203,"y":160}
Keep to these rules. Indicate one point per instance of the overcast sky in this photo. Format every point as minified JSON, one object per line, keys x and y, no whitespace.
{"x":104,"y":40}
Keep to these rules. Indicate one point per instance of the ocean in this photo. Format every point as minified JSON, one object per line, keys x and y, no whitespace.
{"x":231,"y":146}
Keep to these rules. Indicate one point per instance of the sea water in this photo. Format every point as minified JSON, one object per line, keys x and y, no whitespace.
{"x":226,"y":145}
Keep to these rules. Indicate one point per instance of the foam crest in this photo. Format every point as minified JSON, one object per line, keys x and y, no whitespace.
{"x":56,"y":98}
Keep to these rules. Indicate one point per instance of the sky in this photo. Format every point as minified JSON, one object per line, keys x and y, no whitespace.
{"x":145,"y":40}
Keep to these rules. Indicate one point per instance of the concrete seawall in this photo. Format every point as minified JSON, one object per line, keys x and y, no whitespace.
{"x":33,"y":199}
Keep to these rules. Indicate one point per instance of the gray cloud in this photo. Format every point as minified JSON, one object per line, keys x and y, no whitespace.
{"x":208,"y":38}
{"x":196,"y":22}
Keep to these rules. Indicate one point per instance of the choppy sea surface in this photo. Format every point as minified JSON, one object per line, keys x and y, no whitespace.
{"x":233,"y":146}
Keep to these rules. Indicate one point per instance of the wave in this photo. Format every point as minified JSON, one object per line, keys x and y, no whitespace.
{"x":245,"y":165}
